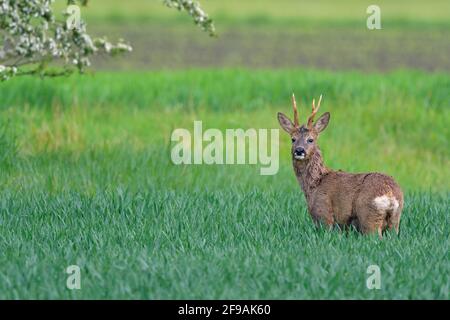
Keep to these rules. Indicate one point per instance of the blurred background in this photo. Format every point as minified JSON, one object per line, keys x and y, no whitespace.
{"x":322,"y":34}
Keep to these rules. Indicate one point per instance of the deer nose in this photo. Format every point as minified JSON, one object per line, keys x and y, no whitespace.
{"x":299,"y":151}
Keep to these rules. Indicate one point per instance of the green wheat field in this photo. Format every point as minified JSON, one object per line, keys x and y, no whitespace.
{"x":86,"y":176}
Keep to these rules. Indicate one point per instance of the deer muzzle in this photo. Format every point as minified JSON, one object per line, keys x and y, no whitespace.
{"x":299,"y":153}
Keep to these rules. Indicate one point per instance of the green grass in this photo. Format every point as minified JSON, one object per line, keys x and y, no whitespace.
{"x":395,"y":123}
{"x":159,"y":244}
{"x":86,"y":179}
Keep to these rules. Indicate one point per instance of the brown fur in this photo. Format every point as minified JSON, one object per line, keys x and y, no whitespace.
{"x":371,"y":202}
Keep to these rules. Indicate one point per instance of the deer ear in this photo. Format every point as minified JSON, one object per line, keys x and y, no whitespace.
{"x":322,"y":122}
{"x":285,"y":123}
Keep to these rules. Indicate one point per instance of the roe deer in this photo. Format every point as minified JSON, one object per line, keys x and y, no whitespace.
{"x":371,"y":202}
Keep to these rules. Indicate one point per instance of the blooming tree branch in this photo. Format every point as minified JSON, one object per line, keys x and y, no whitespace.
{"x":34,"y":42}
{"x":195,"y":11}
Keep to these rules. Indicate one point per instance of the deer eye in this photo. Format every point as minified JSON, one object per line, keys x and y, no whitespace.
{"x":310,"y":140}
{"x":293,"y":140}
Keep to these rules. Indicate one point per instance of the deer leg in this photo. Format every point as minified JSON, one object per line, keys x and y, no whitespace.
{"x":322,"y":212}
{"x":380,"y":232}
{"x":368,"y":227}
{"x":323,"y":221}
{"x":395,"y":221}
{"x":371,"y":220}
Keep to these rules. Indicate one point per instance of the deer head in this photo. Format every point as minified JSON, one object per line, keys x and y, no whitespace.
{"x":304,"y":137}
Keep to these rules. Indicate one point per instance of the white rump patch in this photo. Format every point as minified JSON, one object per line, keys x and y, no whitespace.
{"x":386,"y":202}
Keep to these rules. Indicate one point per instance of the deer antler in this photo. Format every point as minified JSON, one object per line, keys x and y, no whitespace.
{"x":294,"y":105}
{"x":314,"y":111}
